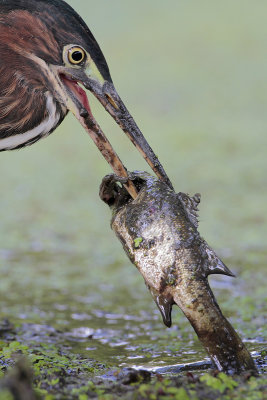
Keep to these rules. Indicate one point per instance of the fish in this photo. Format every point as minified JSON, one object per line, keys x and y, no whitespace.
{"x":159,"y":233}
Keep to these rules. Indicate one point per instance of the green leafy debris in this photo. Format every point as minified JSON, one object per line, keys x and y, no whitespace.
{"x":137,"y":242}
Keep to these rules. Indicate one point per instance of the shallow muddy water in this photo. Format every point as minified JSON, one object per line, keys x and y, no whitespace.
{"x":114,"y":321}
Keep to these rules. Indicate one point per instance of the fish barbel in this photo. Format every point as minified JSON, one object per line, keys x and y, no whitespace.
{"x":158,"y":231}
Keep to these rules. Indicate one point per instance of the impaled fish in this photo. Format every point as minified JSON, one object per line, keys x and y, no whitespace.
{"x":158,"y":231}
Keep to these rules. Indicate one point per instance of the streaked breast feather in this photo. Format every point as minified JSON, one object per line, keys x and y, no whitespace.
{"x":40,"y":131}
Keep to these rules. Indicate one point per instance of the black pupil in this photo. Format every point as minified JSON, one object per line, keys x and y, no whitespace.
{"x":77,"y":56}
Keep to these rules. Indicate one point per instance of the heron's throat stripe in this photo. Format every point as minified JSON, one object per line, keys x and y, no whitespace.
{"x":42,"y":130}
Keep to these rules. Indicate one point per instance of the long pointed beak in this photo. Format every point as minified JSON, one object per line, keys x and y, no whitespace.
{"x":75,"y":99}
{"x":109,"y":98}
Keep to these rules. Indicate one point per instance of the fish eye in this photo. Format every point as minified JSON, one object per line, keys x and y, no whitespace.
{"x":76,"y":55}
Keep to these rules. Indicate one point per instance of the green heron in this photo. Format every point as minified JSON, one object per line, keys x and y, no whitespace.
{"x":46,"y":53}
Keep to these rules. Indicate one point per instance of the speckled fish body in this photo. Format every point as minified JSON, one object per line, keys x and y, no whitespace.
{"x":158,"y":231}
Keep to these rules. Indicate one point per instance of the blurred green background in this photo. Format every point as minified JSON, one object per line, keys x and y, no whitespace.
{"x":193,"y":75}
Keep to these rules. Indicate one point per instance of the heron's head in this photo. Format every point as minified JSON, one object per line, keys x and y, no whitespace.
{"x":46,"y":47}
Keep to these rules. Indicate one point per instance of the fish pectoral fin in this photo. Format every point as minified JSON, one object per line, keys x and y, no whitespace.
{"x":165,"y":303}
{"x":221,"y":269}
{"x":214,"y":264}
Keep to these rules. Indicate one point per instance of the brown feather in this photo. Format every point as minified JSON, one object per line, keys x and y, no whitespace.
{"x":23,"y":87}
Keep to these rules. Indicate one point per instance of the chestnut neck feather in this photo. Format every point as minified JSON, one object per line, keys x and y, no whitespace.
{"x":41,"y":28}
{"x":23,"y":88}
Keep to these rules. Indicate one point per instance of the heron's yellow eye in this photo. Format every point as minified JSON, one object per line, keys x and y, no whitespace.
{"x":76,"y":55}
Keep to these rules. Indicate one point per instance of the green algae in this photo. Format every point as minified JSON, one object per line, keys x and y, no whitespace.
{"x":141,"y":385}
